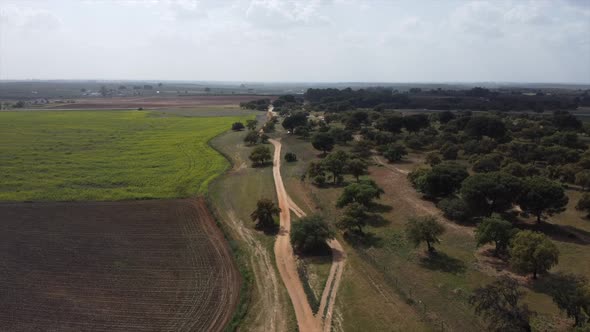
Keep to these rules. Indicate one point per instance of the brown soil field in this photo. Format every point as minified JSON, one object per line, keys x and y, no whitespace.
{"x":151,"y":102}
{"x":156,"y":265}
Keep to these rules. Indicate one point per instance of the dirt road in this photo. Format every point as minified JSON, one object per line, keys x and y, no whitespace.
{"x":287,"y":267}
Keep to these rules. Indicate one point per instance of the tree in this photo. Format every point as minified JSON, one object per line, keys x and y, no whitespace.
{"x":251,"y":138}
{"x":323,"y":142}
{"x":237,"y":126}
{"x":542,"y":196}
{"x":446,"y":116}
{"x":490,"y":126}
{"x":584,"y":204}
{"x":290,"y":157}
{"x":442,"y":180}
{"x":449,"y":151}
{"x":433,"y":158}
{"x":532,"y":252}
{"x":363,"y":192}
{"x":336,"y":163}
{"x":269,"y":126}
{"x":424,"y":229}
{"x":354,"y":219}
{"x":565,"y":120}
{"x":296,"y":120}
{"x":390,"y":123}
{"x":455,"y":209}
{"x":104,"y":91}
{"x":572,"y":295}
{"x":583,"y":179}
{"x":251,"y":124}
{"x":488,"y":163}
{"x":310,"y":234}
{"x":494,"y":230}
{"x":264,"y":213}
{"x":491,"y":192}
{"x":394,"y":152}
{"x":341,"y":136}
{"x":260,"y":155}
{"x":415,"y":122}
{"x":356,"y":168}
{"x":498,"y":302}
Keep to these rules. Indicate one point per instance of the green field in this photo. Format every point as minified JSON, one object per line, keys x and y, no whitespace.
{"x":107,"y":155}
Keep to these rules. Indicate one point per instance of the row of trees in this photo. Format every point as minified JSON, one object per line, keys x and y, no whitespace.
{"x":379,"y":98}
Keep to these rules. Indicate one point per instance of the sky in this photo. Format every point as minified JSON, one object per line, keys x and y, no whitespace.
{"x":297,"y":41}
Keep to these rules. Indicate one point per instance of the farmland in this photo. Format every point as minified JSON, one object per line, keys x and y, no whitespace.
{"x":106,"y":155}
{"x":114,"y":266}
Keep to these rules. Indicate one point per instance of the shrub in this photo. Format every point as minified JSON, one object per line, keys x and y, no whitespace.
{"x":310,"y":234}
{"x":449,"y":151}
{"x":236,"y":126}
{"x":455,"y":209}
{"x":394,"y":152}
{"x":260,"y":155}
{"x":290,"y":157}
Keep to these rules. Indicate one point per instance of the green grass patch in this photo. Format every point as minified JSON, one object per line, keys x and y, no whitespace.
{"x":107,"y":155}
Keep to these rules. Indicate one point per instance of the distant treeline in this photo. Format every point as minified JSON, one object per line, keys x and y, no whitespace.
{"x":335,"y":100}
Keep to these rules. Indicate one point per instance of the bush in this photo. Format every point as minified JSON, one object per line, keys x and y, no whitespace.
{"x":433,"y":158}
{"x":488,"y":163}
{"x":394,"y":152}
{"x":236,"y":126}
{"x":319,"y":180}
{"x":455,"y":209}
{"x":251,"y":138}
{"x":290,"y":157}
{"x":260,"y":155}
{"x":449,"y":151}
{"x":310,"y":234}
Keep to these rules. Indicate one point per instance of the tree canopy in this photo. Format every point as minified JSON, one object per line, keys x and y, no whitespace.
{"x":572,"y":295}
{"x":491,"y":192}
{"x":309,"y":235}
{"x":264,"y":213}
{"x":363,"y":192}
{"x":424,"y":229}
{"x":323,"y":142}
{"x":542,"y":196}
{"x":495,"y":230}
{"x":498,"y":303}
{"x":354,"y":219}
{"x":442,"y":180}
{"x":260,"y":155}
{"x":296,"y":120}
{"x":532,"y":252}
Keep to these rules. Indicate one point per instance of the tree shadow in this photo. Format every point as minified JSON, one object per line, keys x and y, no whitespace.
{"x":439,"y":261}
{"x":317,"y":254}
{"x":363,"y":240}
{"x":562,"y":233}
{"x":549,"y":283}
{"x":380,"y":208}
{"x":271,"y":230}
{"x":377,"y":220}
{"x":262,"y":165}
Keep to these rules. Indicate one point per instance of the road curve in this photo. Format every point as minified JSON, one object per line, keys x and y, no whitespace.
{"x":287,"y":265}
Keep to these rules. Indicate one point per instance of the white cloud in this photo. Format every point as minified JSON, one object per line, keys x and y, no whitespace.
{"x":286,"y":14}
{"x":29,"y":19}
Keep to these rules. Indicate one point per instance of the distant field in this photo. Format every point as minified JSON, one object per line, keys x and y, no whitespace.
{"x":152,"y":102}
{"x":106,"y":155}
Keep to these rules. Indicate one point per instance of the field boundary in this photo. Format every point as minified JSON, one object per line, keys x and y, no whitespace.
{"x":245,"y":296}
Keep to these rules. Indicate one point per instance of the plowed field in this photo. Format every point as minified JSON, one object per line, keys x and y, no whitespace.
{"x":114,"y":266}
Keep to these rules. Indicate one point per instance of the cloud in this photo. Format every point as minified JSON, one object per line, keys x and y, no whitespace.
{"x":277,"y":13}
{"x":29,"y":19}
